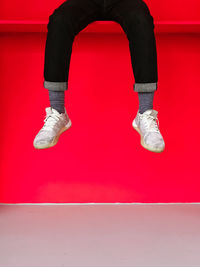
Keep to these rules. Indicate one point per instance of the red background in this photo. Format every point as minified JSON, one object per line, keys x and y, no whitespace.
{"x":39,"y":10}
{"x":100,"y":158}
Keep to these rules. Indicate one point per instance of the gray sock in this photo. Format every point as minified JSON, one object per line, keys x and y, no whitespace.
{"x":145,"y":101}
{"x":57,"y":100}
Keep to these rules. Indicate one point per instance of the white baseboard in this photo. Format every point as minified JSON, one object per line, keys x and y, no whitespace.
{"x":96,"y":204}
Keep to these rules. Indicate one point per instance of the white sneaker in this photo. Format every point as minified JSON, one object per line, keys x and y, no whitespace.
{"x":146,"y":125}
{"x":55,"y":124}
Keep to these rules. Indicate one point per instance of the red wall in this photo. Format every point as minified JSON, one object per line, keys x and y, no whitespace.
{"x":100,"y":158}
{"x":39,"y":10}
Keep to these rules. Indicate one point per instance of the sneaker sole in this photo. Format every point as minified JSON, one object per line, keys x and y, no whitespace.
{"x":56,"y":138}
{"x":157,"y":150}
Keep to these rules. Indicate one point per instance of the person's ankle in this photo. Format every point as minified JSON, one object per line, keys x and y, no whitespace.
{"x":57,"y":100}
{"x":59,"y":110}
{"x":145,"y":101}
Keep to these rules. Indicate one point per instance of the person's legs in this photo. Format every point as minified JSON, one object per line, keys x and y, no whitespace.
{"x":64,"y":24}
{"x":138,"y":24}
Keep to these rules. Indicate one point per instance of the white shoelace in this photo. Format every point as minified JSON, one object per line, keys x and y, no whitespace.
{"x":152,"y":126}
{"x":50,"y":121}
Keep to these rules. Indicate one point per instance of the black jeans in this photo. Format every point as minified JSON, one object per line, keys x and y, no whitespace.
{"x":74,"y":15}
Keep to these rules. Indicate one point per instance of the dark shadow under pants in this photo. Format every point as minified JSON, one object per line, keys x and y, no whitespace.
{"x":72,"y":16}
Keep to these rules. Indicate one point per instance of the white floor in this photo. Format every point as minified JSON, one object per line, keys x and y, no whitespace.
{"x":100,"y":236}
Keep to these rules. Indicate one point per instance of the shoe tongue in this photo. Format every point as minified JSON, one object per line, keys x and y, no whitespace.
{"x":48,"y":110}
{"x":55,"y":111}
{"x":152,"y":112}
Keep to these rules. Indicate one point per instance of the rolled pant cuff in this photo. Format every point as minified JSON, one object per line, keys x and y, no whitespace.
{"x":145,"y":87}
{"x":56,"y":86}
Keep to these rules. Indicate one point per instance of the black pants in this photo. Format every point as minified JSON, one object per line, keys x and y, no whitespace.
{"x":74,"y":15}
